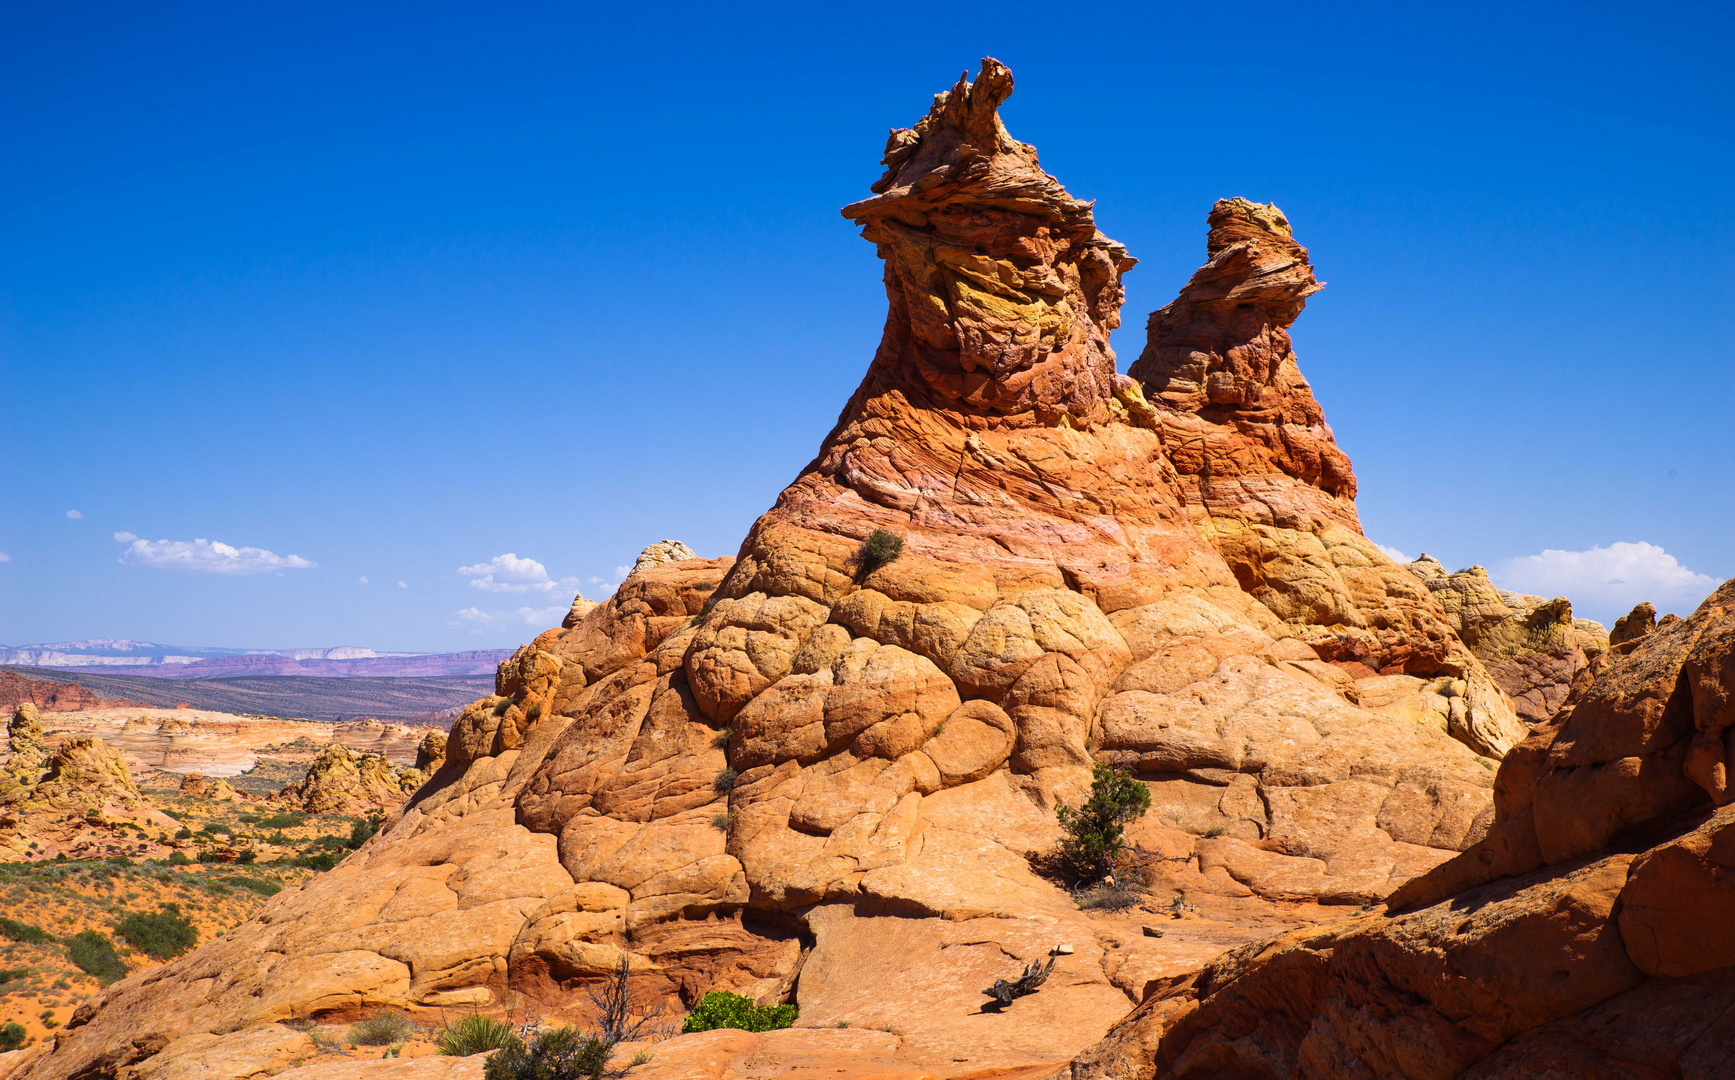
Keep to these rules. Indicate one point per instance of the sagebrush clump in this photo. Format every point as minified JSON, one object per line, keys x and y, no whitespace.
{"x":560,"y":1054}
{"x":94,"y":955}
{"x":382,"y":1029}
{"x":1095,"y":831}
{"x":164,"y":935}
{"x":879,"y":548}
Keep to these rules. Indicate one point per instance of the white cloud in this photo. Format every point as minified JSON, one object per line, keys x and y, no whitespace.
{"x":1604,"y":583}
{"x":1393,"y":553}
{"x":509,"y":574}
{"x":5,"y":557}
{"x":205,"y":556}
{"x":75,"y":515}
{"x":526,"y":616}
{"x":401,"y":585}
{"x":363,"y":580}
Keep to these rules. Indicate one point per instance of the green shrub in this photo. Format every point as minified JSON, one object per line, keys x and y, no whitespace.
{"x":323,"y":861}
{"x":381,"y":1029}
{"x":11,"y":974}
{"x":94,"y":954}
{"x":1095,"y":831}
{"x":164,"y":935}
{"x":119,"y":860}
{"x":720,"y":739}
{"x":725,"y":780}
{"x":361,"y":832}
{"x":722,"y":820}
{"x":881,"y":547}
{"x":211,"y":856}
{"x":703,"y":611}
{"x":12,"y":1036}
{"x":560,"y":1054}
{"x":24,"y":932}
{"x":259,"y":885}
{"x":721,"y":1009}
{"x":183,"y":833}
{"x":503,"y":706}
{"x":247,"y":857}
{"x":282,"y":821}
{"x":474,"y":1034}
{"x":179,"y":858}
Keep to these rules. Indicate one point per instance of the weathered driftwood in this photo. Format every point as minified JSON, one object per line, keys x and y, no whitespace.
{"x":1035,"y":974}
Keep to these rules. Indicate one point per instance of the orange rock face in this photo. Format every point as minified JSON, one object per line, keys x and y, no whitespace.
{"x":810,"y":773}
{"x":1547,"y":949}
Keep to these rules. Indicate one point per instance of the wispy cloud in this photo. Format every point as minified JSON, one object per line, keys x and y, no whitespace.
{"x":203,"y":556}
{"x":1393,"y":553}
{"x":75,"y":515}
{"x":1605,"y":582}
{"x":5,"y":557}
{"x":401,"y":585}
{"x":363,"y":580}
{"x":509,"y":574}
{"x":477,"y":619}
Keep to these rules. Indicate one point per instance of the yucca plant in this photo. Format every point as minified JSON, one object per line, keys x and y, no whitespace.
{"x":475,"y":1034}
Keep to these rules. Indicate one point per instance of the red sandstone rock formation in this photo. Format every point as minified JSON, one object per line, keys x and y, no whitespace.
{"x":1591,"y":933}
{"x":50,"y":696}
{"x":798,"y":772}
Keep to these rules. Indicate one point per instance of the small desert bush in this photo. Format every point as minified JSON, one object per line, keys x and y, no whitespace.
{"x":179,"y":858}
{"x":503,"y":706}
{"x":381,"y":1029}
{"x":721,"y":738}
{"x":560,"y":1054}
{"x":259,"y":885}
{"x":94,"y":954}
{"x":24,"y":932}
{"x":725,"y":780}
{"x":704,"y":611}
{"x":722,"y":820}
{"x":1095,"y":831}
{"x":164,"y":935}
{"x":282,"y":821}
{"x":721,"y":1009}
{"x":475,"y":1034}
{"x":12,"y":1036}
{"x":879,"y":548}
{"x":361,"y":832}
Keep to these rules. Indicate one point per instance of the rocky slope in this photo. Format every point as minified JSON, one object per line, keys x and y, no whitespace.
{"x":1533,"y":647}
{"x":819,"y":769}
{"x":75,"y":797}
{"x":1588,"y":935}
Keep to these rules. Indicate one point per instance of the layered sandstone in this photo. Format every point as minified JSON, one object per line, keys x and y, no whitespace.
{"x":48,"y":696}
{"x":342,"y":781}
{"x":222,"y":744}
{"x":802,"y":772}
{"x":1266,"y":483}
{"x":1532,"y":646}
{"x":72,"y":798}
{"x":1589,"y":934}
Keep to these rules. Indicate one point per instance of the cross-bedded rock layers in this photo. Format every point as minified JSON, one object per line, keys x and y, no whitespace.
{"x":807,"y":772}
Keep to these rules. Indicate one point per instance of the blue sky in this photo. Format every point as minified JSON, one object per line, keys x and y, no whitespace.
{"x":400,"y":290}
